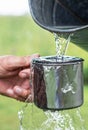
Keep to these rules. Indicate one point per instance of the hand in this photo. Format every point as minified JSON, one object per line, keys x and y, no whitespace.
{"x":14,"y":76}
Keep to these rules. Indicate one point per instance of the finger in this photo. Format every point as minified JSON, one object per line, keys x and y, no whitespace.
{"x":14,"y":62}
{"x":21,"y":92}
{"x":25,"y":73}
{"x":23,"y":95}
{"x":9,"y":73}
{"x":10,"y":93}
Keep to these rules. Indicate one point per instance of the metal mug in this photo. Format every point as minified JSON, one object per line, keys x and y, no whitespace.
{"x":58,"y":82}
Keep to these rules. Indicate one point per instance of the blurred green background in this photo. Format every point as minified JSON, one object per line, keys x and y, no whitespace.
{"x":21,"y":36}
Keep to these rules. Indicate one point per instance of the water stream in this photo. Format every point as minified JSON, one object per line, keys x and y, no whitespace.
{"x":33,"y":118}
{"x":62,"y":43}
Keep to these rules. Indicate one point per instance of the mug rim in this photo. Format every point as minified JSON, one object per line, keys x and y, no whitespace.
{"x":57,"y":60}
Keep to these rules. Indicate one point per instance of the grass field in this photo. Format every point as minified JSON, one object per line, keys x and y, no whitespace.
{"x":21,"y":36}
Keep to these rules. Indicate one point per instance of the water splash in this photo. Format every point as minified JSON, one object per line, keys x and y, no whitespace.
{"x":63,"y":120}
{"x":50,"y":120}
{"x":58,"y":121}
{"x":21,"y":115}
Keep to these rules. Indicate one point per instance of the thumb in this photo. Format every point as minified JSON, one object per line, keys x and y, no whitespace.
{"x":14,"y":62}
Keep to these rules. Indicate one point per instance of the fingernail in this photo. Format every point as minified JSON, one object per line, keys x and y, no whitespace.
{"x":18,"y":90}
{"x":23,"y":75}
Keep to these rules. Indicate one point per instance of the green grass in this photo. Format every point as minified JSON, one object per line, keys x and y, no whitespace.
{"x":21,"y":36}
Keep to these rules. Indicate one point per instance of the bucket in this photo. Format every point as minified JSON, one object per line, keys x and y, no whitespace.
{"x":63,"y":16}
{"x":60,"y":16}
{"x":58,"y":82}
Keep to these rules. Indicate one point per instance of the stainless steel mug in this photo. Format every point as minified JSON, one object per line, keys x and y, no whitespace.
{"x":58,"y":82}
